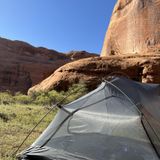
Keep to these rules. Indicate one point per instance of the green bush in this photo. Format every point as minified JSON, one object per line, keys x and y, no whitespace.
{"x":52,"y":97}
{"x":22,"y":99}
{"x":42,"y":99}
{"x":75,"y":91}
{"x":45,"y":98}
{"x":56,"y":96}
{"x":6,"y":98}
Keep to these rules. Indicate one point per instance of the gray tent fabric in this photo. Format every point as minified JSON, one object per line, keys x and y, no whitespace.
{"x":120,"y":120}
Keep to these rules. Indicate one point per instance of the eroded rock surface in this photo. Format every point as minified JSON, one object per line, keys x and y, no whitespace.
{"x":22,"y":65}
{"x":76,"y":55}
{"x":134,"y":28}
{"x":92,"y":71}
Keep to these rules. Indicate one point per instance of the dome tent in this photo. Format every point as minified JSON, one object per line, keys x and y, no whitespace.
{"x":118,"y":120}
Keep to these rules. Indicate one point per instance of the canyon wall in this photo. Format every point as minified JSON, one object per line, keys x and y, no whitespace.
{"x":23,"y":65}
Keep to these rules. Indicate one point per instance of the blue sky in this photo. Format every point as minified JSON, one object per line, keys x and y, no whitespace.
{"x":62,"y":25}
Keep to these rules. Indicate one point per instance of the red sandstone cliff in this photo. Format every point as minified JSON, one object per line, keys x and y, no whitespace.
{"x":134,"y":28}
{"x":22,"y":65}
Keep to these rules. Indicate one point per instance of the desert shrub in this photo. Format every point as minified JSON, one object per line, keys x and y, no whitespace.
{"x":56,"y":96}
{"x":45,"y":98}
{"x":34,"y":95}
{"x":6,"y":98}
{"x":42,"y":100}
{"x":4,"y":117}
{"x":22,"y":99}
{"x":52,"y":97}
{"x":75,"y":91}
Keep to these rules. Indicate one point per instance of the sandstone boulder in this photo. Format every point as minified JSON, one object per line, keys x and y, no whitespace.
{"x":92,"y":71}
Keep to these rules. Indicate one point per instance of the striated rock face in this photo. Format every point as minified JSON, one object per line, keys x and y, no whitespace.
{"x":22,"y":65}
{"x":134,"y":28}
{"x":92,"y":71}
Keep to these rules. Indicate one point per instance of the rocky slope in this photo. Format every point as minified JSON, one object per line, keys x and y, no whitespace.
{"x":134,"y":28}
{"x":22,"y":65}
{"x":131,"y":47}
{"x":93,"y":70}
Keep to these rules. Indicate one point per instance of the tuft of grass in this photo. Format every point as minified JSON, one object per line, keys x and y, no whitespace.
{"x":6,"y":98}
{"x":22,"y":99}
{"x":16,"y":122}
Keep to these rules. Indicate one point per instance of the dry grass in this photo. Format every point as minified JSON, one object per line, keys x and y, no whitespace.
{"x":15,"y":122}
{"x":20,"y":113}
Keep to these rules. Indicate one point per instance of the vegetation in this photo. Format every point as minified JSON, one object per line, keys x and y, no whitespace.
{"x":20,"y":113}
{"x":15,"y":122}
{"x":44,"y":98}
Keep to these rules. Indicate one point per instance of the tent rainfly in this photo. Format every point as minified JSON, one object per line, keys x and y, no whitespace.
{"x":120,"y":120}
